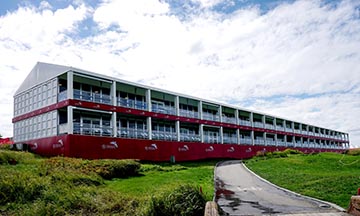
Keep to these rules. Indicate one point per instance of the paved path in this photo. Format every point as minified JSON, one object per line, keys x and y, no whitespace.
{"x":239,"y":192}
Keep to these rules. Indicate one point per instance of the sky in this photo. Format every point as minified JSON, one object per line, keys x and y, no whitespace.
{"x":297,"y":59}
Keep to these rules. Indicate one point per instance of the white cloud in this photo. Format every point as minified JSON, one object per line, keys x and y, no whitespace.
{"x":304,"y":48}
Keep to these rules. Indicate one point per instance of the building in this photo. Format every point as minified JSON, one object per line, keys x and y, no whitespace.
{"x":60,"y":110}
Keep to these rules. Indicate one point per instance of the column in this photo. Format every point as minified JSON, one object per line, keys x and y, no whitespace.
{"x":252,"y":120}
{"x":177,"y":106}
{"x":263,"y":121}
{"x":202,"y":132}
{"x":177,"y":129}
{"x":70,"y":87}
{"x":252,"y":138}
{"x":200,"y":112}
{"x":220,"y":113}
{"x":148,"y":100}
{"x":221,"y":135}
{"x":148,"y":125}
{"x":276,"y":140}
{"x":264,"y":137}
{"x":238,"y":136}
{"x":113,"y":120}
{"x":70,"y":124}
{"x":285,"y":140}
{"x":237,"y":117}
{"x":114,"y":103}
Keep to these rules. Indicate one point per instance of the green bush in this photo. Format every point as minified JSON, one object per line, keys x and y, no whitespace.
{"x":184,"y":200}
{"x":292,"y":151}
{"x":20,"y":187}
{"x":107,"y":168}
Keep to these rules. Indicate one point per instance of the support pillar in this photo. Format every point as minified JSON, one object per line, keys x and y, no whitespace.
{"x":70,"y":125}
{"x":148,"y":125}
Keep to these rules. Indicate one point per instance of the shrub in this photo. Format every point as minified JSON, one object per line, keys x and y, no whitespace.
{"x":279,"y":154}
{"x":183,"y":200}
{"x":353,"y":152}
{"x":107,"y":168}
{"x":292,"y":151}
{"x":20,"y":187}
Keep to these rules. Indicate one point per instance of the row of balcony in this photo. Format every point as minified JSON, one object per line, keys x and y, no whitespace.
{"x":96,"y":130}
{"x":165,"y":109}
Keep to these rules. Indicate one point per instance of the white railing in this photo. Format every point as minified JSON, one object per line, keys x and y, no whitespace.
{"x":211,"y":139}
{"x":246,"y":141}
{"x":133,"y":133}
{"x":259,"y":141}
{"x":211,"y":117}
{"x":92,"y":97}
{"x":93,"y":130}
{"x":230,"y":120}
{"x":280,"y":128}
{"x":230,"y":139}
{"x":164,"y":135}
{"x":163,"y":109}
{"x":62,"y":96}
{"x":190,"y":137}
{"x":124,"y":102}
{"x":188,"y":113}
{"x":258,"y":124}
{"x":245,"y":122}
{"x":269,"y":126}
{"x":63,"y":128}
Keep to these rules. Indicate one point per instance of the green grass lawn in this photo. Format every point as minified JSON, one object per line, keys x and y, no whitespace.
{"x":328,"y":176}
{"x":157,"y":177}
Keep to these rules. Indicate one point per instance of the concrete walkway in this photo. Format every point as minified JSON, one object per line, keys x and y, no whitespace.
{"x":240,"y":192}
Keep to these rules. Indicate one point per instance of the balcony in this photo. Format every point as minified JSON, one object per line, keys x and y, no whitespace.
{"x":288,"y":129}
{"x":270,"y":126}
{"x":164,"y":135}
{"x":92,"y":130}
{"x":210,"y":116}
{"x":62,"y":96}
{"x":125,"y":102}
{"x":297,"y":131}
{"x":188,"y":113}
{"x":246,"y":140}
{"x":259,"y":124}
{"x":280,"y":128}
{"x":92,"y":97}
{"x":230,"y":120}
{"x":245,"y":122}
{"x":230,"y":139}
{"x":190,"y":137}
{"x":211,"y":139}
{"x":132,"y":133}
{"x":164,"y":109}
{"x":259,"y":141}
{"x":270,"y":142}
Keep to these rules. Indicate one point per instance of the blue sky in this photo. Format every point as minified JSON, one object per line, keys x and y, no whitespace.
{"x":297,"y":59}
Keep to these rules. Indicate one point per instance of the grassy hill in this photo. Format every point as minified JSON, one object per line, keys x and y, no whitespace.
{"x":31,"y":185}
{"x":327,"y":176}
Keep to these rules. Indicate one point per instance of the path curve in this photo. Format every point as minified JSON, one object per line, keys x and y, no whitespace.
{"x":240,"y":192}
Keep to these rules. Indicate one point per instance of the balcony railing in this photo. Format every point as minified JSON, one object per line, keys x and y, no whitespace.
{"x":230,"y":139}
{"x":230,"y":120}
{"x":93,"y":130}
{"x":63,"y":128}
{"x":259,"y":124}
{"x":269,"y":126}
{"x":280,"y":128}
{"x":62,"y":96}
{"x":281,"y":143}
{"x":211,"y":117}
{"x":259,"y":141}
{"x":188,"y":113}
{"x":246,"y":140}
{"x":92,"y":97}
{"x":133,"y":133}
{"x":125,"y":102}
{"x":163,"y":109}
{"x":270,"y":142}
{"x":164,"y":135}
{"x":288,"y":129}
{"x":245,"y":122}
{"x":190,"y":137}
{"x":211,"y":139}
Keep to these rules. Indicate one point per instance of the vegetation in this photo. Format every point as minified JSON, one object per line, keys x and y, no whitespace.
{"x":31,"y":185}
{"x":328,"y":176}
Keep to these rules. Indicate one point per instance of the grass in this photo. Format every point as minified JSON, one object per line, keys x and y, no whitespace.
{"x":328,"y":176}
{"x":31,"y":185}
{"x":165,"y":176}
